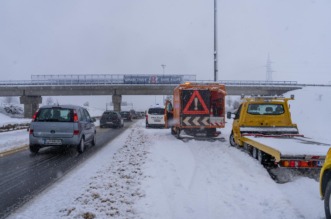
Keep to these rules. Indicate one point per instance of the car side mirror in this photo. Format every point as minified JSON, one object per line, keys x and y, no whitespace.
{"x":228,"y":115}
{"x":93,"y":120}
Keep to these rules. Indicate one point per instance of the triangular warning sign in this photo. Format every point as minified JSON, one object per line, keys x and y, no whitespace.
{"x":195,"y":99}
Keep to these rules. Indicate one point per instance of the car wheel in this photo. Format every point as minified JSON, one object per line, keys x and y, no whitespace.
{"x":327,"y":200}
{"x":231,"y":140}
{"x":81,"y":146}
{"x":94,"y":140}
{"x":34,"y":149}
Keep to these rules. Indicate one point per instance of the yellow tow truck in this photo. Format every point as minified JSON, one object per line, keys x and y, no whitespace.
{"x":263,"y":127}
{"x":325,"y":184}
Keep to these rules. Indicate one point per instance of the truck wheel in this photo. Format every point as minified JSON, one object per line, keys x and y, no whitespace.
{"x":178,"y":133}
{"x":231,"y":140}
{"x":254,"y":153}
{"x":260,"y":156}
{"x":327,"y":200}
{"x":173,"y":132}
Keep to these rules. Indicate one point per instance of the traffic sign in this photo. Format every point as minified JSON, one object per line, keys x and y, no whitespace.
{"x":194,"y":103}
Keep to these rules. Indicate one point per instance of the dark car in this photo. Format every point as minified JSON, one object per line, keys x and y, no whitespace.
{"x":126,"y":115}
{"x":133,"y":114}
{"x":111,"y":119}
{"x":61,"y":126}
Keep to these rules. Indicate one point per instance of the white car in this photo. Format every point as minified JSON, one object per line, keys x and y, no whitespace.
{"x":155,"y":117}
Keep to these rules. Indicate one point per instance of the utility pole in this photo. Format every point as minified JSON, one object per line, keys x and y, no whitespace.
{"x":269,"y":69}
{"x":215,"y":41}
{"x":163,"y":67}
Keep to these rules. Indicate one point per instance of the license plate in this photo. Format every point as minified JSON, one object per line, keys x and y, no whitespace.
{"x":53,"y":142}
{"x":157,"y":120}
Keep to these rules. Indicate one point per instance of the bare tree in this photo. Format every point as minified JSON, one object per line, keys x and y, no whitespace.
{"x":49,"y":101}
{"x":236,"y":104}
{"x":9,"y":100}
{"x":229,"y":101}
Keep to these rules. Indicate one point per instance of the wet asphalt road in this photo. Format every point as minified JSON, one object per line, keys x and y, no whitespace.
{"x":23,"y":175}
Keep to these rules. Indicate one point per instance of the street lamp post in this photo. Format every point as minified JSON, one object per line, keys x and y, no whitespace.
{"x":163,"y":67}
{"x":215,"y":41}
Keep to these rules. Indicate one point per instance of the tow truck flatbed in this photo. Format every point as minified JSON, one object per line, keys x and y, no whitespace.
{"x":289,"y":148}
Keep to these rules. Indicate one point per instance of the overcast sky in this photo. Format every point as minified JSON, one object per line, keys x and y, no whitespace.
{"x":137,"y":37}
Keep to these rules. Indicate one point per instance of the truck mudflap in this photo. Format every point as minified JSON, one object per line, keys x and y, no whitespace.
{"x":187,"y":134}
{"x":284,"y":175}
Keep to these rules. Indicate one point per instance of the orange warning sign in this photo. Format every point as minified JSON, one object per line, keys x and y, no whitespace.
{"x":195,"y":100}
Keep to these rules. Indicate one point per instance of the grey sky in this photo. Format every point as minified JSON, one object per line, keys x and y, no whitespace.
{"x":129,"y":37}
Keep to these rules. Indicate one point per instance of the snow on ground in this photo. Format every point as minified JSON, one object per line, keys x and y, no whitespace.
{"x":147,"y":173}
{"x":5,"y":120}
{"x":13,"y":140}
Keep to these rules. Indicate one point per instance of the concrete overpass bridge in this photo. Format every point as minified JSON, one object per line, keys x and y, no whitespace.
{"x":31,"y":91}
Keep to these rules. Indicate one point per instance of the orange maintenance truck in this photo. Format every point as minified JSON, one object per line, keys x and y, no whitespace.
{"x":197,"y":111}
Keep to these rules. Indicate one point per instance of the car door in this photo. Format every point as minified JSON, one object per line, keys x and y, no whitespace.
{"x":236,"y":123}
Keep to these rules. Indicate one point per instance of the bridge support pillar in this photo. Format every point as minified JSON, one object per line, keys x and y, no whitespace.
{"x":31,"y":104}
{"x":117,"y":100}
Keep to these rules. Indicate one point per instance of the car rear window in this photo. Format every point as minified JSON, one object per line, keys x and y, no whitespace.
{"x":55,"y":115}
{"x":156,"y":111}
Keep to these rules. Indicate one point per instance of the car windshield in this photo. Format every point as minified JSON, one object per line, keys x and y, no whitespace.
{"x":156,"y":111}
{"x":265,"y":109}
{"x":54,"y":115}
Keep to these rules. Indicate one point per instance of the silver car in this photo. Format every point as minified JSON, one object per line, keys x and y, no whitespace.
{"x":61,"y":126}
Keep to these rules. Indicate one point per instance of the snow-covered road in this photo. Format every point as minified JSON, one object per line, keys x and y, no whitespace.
{"x":147,"y":173}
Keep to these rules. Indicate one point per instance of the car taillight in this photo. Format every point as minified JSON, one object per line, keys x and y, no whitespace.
{"x":76,"y":132}
{"x":30,"y":131}
{"x":75,"y":116}
{"x":34,"y":116}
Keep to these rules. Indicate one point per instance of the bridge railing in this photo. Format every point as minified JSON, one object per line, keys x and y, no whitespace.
{"x":111,"y":79}
{"x":256,"y":82}
{"x":141,"y":81}
{"x":107,"y":79}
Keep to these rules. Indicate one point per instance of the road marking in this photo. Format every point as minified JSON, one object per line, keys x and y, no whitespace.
{"x":6,"y":153}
